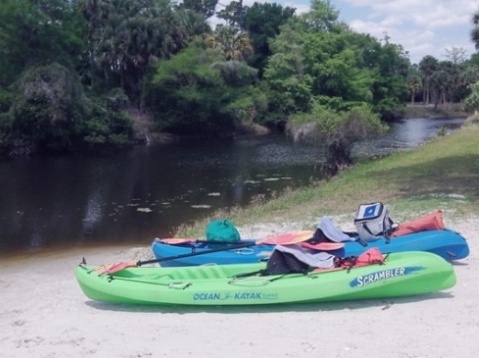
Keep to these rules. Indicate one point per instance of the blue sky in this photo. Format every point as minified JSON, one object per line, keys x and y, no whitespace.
{"x":422,"y":27}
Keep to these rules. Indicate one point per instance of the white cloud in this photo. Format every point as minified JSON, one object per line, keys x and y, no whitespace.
{"x":301,"y":6}
{"x":423,"y":28}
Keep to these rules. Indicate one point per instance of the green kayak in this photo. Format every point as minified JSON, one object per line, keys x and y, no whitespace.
{"x":402,"y":274}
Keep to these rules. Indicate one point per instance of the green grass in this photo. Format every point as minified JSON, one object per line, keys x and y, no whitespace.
{"x":442,"y":175}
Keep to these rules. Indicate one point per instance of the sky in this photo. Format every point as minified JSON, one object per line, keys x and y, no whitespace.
{"x":422,"y":27}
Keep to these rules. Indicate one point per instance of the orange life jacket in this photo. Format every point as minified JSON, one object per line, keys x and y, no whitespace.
{"x":432,"y":221}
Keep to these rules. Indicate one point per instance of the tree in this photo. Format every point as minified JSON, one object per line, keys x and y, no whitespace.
{"x":337,"y":67}
{"x":322,"y":17}
{"x":52,"y":112}
{"x":233,"y":43}
{"x":38,"y":32}
{"x":337,"y":131}
{"x":203,"y":7}
{"x":468,"y":75}
{"x":326,"y":61}
{"x":263,"y":22}
{"x":48,"y":112}
{"x":456,"y":55}
{"x":190,"y":25}
{"x":126,"y":37}
{"x":390,"y":89}
{"x":428,"y":67}
{"x":472,"y":101}
{"x":475,"y":30}
{"x":414,"y":82}
{"x":233,"y":14}
{"x":442,"y":82}
{"x":289,"y":87}
{"x":197,"y":91}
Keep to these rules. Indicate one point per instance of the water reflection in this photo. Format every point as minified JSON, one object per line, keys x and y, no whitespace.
{"x":407,"y":134}
{"x":93,"y":212}
{"x":136,"y":195}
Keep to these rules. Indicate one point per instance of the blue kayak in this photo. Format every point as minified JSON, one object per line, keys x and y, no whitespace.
{"x":203,"y":253}
{"x":446,"y":243}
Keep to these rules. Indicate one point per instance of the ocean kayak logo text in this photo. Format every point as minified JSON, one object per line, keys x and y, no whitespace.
{"x":237,"y":296}
{"x":364,"y":280}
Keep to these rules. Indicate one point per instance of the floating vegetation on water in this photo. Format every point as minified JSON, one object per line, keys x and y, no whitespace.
{"x":201,"y":206}
{"x":254,"y":182}
{"x":144,"y":210}
{"x":214,"y":194}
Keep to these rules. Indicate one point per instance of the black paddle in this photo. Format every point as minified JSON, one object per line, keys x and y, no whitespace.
{"x":175,"y":257}
{"x":198,"y":241}
{"x":123,"y":265}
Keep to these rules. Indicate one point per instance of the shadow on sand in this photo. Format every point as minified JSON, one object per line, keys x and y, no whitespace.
{"x":383,"y":304}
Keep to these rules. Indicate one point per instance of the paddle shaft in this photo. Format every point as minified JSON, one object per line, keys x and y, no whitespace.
{"x":197,"y":241}
{"x":175,"y":257}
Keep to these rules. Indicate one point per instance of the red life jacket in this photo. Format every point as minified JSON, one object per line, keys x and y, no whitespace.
{"x":369,"y":257}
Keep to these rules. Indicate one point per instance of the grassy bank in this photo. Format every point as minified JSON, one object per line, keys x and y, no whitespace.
{"x":443,"y":175}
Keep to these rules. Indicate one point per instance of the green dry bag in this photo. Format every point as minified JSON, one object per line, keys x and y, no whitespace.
{"x":222,"y":230}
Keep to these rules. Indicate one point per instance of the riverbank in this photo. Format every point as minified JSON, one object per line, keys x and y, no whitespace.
{"x":420,"y":110}
{"x":44,"y":313}
{"x":441,"y":174}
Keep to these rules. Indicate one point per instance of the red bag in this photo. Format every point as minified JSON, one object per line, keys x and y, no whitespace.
{"x":431,"y":221}
{"x":371,"y":256}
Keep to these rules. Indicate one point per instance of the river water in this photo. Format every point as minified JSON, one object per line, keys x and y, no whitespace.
{"x":133,"y":196}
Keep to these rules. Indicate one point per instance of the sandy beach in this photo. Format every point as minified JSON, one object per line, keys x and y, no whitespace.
{"x":44,"y":314}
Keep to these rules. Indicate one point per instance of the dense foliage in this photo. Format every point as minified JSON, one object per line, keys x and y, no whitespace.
{"x":199,"y":91}
{"x":72,"y":70}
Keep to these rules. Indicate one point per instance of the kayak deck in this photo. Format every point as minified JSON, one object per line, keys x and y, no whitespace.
{"x":446,"y":243}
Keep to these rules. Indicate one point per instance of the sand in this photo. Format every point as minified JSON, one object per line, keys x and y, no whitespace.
{"x":44,"y":314}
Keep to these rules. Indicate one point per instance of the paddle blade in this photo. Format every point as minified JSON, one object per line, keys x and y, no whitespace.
{"x":323,"y":246}
{"x":288,"y":238}
{"x":177,"y":241}
{"x":112,"y":268}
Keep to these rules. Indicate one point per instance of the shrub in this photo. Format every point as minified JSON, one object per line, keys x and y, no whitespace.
{"x":336,"y":131}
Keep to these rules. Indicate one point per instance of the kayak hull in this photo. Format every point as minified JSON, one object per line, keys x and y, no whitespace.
{"x":446,"y":243}
{"x":402,"y":274}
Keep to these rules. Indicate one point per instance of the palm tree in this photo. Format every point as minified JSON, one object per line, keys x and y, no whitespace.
{"x":428,"y":67}
{"x":441,"y":82}
{"x":126,"y":36}
{"x":232,"y":42}
{"x":414,"y":81}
